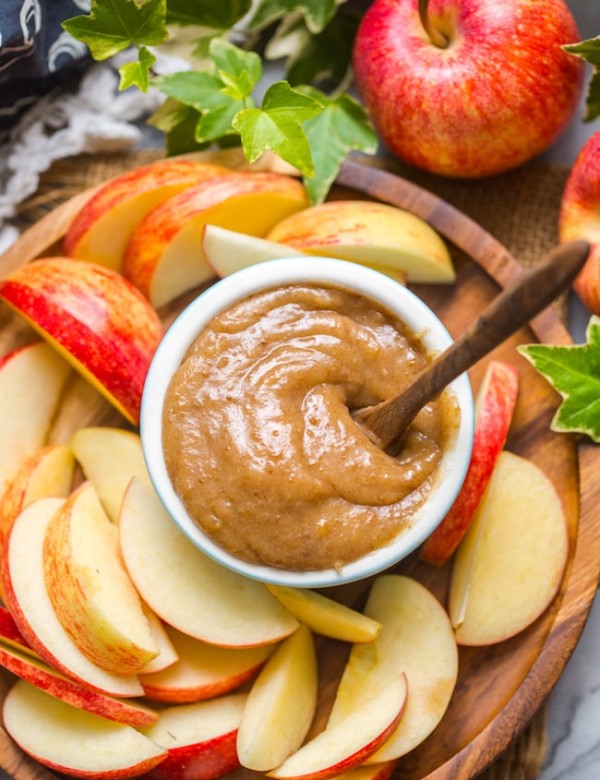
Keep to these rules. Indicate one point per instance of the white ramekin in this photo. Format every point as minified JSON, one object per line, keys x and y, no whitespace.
{"x":274,"y":273}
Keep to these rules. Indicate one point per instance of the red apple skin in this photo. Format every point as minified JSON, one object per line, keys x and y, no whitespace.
{"x":9,"y":632}
{"x":494,"y":415}
{"x":98,"y":318}
{"x":202,"y":761}
{"x":499,"y":94}
{"x":117,"y":774}
{"x":579,"y":218}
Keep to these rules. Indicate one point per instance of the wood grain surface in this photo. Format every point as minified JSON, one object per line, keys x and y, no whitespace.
{"x":500,"y":687}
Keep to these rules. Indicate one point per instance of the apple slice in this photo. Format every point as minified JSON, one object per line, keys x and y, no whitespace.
{"x":370,"y":772}
{"x":74,"y":742}
{"x":348,"y":742}
{"x":30,"y":605}
{"x":101,"y":229}
{"x":510,"y":564}
{"x":36,"y":672}
{"x":95,"y":319}
{"x":417,"y":637}
{"x":109,"y":458}
{"x":373,"y":234}
{"x":10,"y":634}
{"x":203,"y":671}
{"x":200,"y":739}
{"x":164,"y":257}
{"x":228,"y":251}
{"x":90,"y":590}
{"x":196,"y":595}
{"x":326,"y":616}
{"x":494,"y":408}
{"x":281,"y":704}
{"x":167,"y":654}
{"x":32,"y":379}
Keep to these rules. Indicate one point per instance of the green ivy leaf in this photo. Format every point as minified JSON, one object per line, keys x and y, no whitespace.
{"x":574,"y":372}
{"x":318,"y":13}
{"x":341,"y":127}
{"x":137,"y":73}
{"x":239,"y":70}
{"x":218,"y":15}
{"x":178,"y":122}
{"x":589,"y":50}
{"x":277,"y":126}
{"x":114,"y":25}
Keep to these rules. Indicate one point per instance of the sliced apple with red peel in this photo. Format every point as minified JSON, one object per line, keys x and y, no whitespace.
{"x":350,"y":741}
{"x":326,"y":616}
{"x":228,"y":251}
{"x":90,"y":590}
{"x":281,"y":704}
{"x":369,"y":233}
{"x":94,"y":318}
{"x":200,"y":739}
{"x":510,"y":564}
{"x":164,"y":257}
{"x":32,"y":379}
{"x":196,"y":595}
{"x":100,"y":231}
{"x":202,"y":671}
{"x":32,"y":610}
{"x":494,"y":408}
{"x":167,"y":654}
{"x":10,"y":634}
{"x":74,"y":742}
{"x":110,"y":458}
{"x":381,"y":771}
{"x":417,"y":637}
{"x":37,"y":673}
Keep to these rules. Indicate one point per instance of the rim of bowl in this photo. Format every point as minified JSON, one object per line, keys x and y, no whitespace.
{"x":380,"y":288}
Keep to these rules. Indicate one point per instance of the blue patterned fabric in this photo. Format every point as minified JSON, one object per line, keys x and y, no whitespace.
{"x":36,"y":54}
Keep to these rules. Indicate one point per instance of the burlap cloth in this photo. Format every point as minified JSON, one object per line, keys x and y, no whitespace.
{"x":519,"y":208}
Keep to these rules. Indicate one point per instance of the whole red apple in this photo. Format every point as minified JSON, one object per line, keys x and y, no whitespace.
{"x":487,"y":88}
{"x":580,"y":218}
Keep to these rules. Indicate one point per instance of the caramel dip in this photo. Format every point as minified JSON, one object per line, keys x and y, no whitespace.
{"x":259,"y":439}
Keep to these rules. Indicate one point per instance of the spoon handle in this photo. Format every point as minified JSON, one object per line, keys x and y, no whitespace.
{"x":513,"y":308}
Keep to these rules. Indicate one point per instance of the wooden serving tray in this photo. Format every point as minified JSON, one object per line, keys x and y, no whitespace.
{"x":500,"y":687}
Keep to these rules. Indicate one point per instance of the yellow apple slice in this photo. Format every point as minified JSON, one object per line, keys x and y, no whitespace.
{"x":281,"y":704}
{"x":200,"y":738}
{"x":164,"y":257}
{"x":417,"y":637}
{"x":32,"y":379}
{"x":110,"y":458}
{"x":509,"y":566}
{"x":202,"y":671}
{"x":32,"y":610}
{"x":100,"y":231}
{"x":373,"y":234}
{"x":90,"y":590}
{"x":196,"y":595}
{"x":72,"y":741}
{"x":96,"y":320}
{"x":326,"y":616}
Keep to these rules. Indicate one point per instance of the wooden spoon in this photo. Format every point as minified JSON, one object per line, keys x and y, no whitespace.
{"x":534,"y":289}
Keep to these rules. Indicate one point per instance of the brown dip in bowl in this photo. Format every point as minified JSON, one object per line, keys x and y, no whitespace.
{"x":250,"y":440}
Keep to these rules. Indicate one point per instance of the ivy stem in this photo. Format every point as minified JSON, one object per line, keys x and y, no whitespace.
{"x":435,"y":36}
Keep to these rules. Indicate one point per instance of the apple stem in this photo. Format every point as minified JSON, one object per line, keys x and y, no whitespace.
{"x":435,"y":36}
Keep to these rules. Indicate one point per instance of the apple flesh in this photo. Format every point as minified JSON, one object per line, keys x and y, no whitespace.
{"x":37,"y":673}
{"x":494,"y":408}
{"x":100,"y":231}
{"x":200,"y":739}
{"x":483,"y":104}
{"x":510,"y":564}
{"x":74,"y":742}
{"x":196,"y":595}
{"x":579,"y":218}
{"x":325,"y":616}
{"x":281,"y":704}
{"x":28,"y":601}
{"x":202,"y":671}
{"x":417,"y":637}
{"x":94,"y":318}
{"x":32,"y":380}
{"x":164,"y":257}
{"x":227,"y":251}
{"x":110,"y":458}
{"x":374,"y":234}
{"x":89,"y":588}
